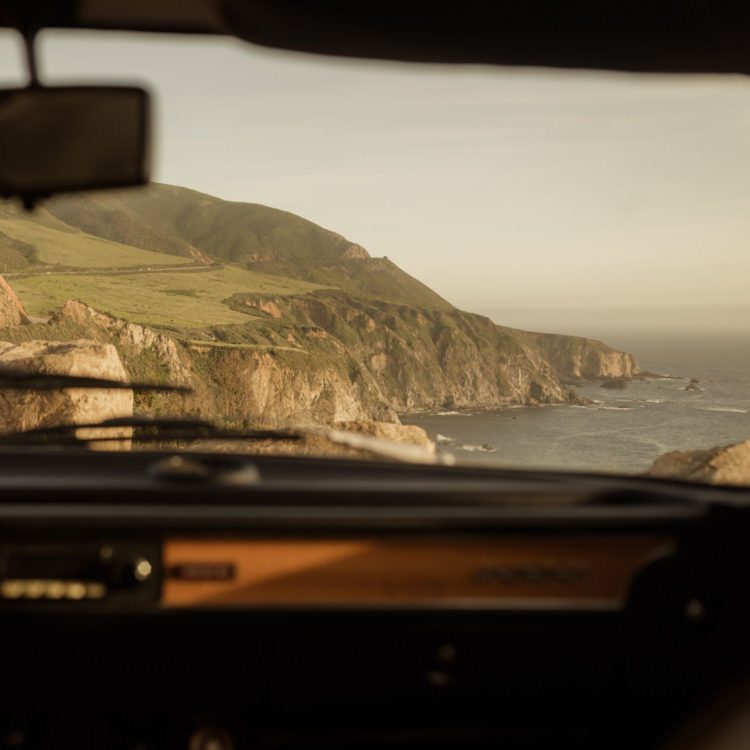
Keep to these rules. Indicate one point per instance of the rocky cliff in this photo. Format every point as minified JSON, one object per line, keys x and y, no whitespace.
{"x":240,"y":384}
{"x":326,"y":358}
{"x":425,"y":358}
{"x":269,"y":317}
{"x":575,"y":358}
{"x":29,"y":409}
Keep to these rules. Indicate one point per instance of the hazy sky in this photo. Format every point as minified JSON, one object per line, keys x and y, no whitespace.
{"x":532,"y":196}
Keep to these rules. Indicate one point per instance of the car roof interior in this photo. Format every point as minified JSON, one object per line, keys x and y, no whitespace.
{"x":643,"y":35}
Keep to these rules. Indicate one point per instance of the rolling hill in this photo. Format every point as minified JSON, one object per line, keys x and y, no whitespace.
{"x":186,"y":223}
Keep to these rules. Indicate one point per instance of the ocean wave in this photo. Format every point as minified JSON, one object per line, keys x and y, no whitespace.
{"x":615,"y":408}
{"x":444,"y":439}
{"x":479,"y":448}
{"x":449,"y":413}
{"x":722,"y":408}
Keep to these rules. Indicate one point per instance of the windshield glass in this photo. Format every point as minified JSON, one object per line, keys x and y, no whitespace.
{"x":523,"y":268}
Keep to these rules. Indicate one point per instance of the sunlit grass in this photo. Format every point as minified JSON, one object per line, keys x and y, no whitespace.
{"x":79,"y":250}
{"x":178,"y":299}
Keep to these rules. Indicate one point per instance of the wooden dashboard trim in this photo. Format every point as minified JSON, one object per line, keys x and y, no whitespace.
{"x":530,"y":571}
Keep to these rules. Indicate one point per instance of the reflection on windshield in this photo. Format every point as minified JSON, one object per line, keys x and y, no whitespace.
{"x":510,"y":268}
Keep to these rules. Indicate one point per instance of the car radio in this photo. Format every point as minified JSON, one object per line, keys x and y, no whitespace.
{"x":94,"y":572}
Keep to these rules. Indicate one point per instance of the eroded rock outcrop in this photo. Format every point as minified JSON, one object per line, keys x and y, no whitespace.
{"x":12,"y":312}
{"x":726,"y":464}
{"x":28,"y":409}
{"x":241,"y":384}
{"x":138,"y":337}
{"x":577,"y":358}
{"x":407,"y":434}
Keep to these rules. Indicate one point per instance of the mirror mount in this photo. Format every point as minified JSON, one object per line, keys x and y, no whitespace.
{"x":29,"y":202}
{"x":29,"y":46}
{"x":58,"y":139}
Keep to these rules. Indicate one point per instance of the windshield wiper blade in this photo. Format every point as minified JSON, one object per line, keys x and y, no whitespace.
{"x":144,"y":429}
{"x":162,"y":430}
{"x":10,"y":380}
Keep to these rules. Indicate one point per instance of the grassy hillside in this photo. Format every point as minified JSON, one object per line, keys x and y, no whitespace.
{"x":173,"y":219}
{"x":54,"y":246}
{"x":183,"y":222}
{"x":81,"y":247}
{"x":373,"y":279}
{"x":177,"y":299}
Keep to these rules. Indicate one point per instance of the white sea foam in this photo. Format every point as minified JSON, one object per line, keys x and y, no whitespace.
{"x":444,"y":439}
{"x":721,"y":408}
{"x":479,"y":448}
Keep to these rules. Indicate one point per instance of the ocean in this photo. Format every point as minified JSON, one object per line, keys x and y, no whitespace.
{"x":623,"y":431}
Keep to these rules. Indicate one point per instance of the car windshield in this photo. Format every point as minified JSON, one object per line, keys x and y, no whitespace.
{"x":522,"y":268}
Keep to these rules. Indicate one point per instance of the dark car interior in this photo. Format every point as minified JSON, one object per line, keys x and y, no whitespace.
{"x":210,"y":603}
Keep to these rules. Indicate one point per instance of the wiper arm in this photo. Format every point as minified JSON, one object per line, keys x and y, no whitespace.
{"x":145,"y":429}
{"x":10,"y":380}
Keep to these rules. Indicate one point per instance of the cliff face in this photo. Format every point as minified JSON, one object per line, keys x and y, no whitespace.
{"x":576,"y":358}
{"x":420,"y":359}
{"x":25,"y":410}
{"x":240,"y":383}
{"x":327,"y":358}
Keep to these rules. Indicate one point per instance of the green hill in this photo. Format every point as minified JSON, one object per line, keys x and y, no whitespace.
{"x":54,"y":246}
{"x":83,"y":247}
{"x":183,"y":222}
{"x":173,"y":220}
{"x":184,"y":300}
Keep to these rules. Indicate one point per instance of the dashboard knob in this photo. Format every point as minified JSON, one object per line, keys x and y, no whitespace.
{"x":142,"y":569}
{"x":131,"y":573}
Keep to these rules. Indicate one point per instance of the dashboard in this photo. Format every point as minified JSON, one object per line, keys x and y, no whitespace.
{"x":216,"y":601}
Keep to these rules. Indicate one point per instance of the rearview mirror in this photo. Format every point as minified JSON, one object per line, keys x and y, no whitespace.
{"x":63,"y":139}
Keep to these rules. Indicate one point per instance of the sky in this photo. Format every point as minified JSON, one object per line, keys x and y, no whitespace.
{"x":548,"y":200}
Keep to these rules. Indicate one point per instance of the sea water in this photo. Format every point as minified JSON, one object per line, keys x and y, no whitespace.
{"x":621,"y":431}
